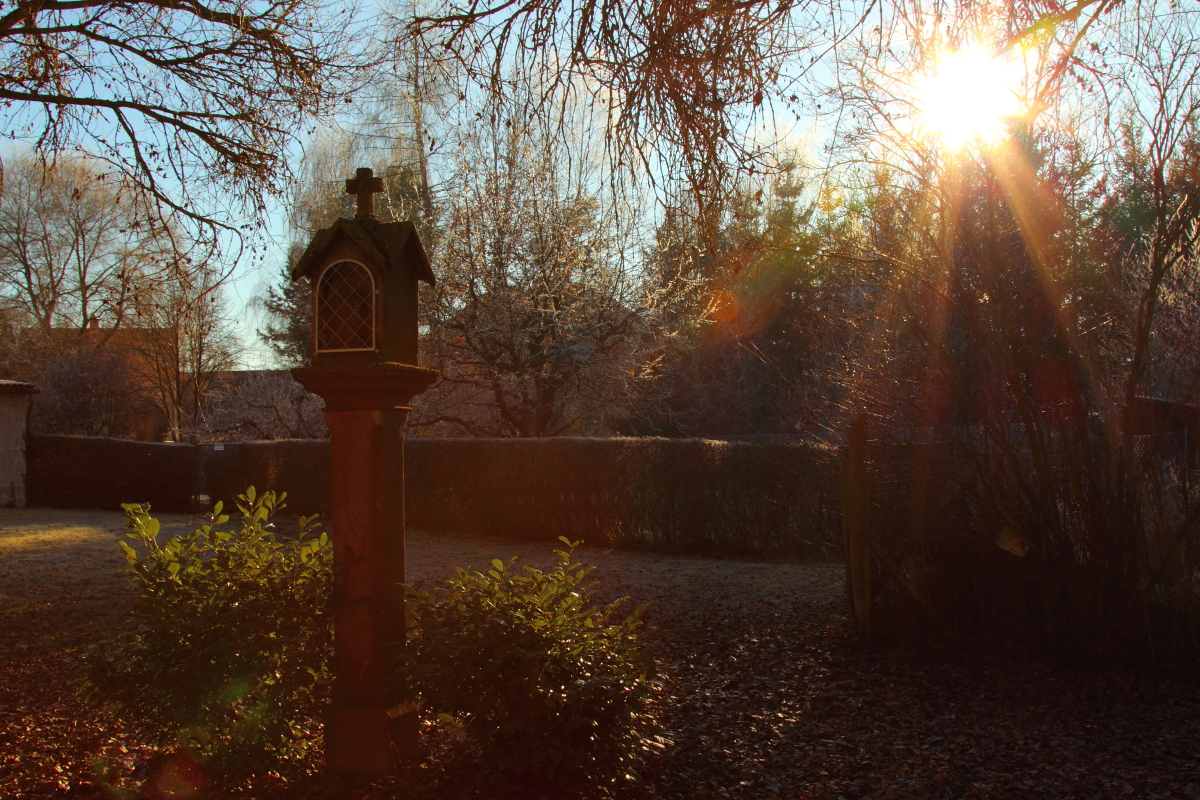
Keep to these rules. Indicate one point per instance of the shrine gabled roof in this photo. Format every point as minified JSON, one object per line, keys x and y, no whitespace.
{"x":384,"y":241}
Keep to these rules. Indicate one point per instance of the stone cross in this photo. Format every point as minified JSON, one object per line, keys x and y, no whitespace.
{"x":364,"y":185}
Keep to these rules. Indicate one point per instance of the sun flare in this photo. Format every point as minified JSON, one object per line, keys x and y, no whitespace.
{"x":968,"y":96}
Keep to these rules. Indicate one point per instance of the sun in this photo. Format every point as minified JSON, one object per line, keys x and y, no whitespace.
{"x":968,"y":96}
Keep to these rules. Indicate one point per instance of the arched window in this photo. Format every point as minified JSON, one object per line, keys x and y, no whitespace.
{"x":345,"y":308}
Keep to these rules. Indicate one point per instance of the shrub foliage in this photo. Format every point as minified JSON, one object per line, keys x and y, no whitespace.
{"x":228,"y":647}
{"x":543,"y":683}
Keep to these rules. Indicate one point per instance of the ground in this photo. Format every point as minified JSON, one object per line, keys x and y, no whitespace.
{"x":767,"y":695}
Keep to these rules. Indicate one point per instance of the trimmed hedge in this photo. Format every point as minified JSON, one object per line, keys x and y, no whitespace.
{"x":675,"y":495}
{"x":299,"y":467}
{"x":97,"y":472}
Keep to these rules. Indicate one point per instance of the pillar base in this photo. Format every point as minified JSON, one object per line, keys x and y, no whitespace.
{"x":364,"y":740}
{"x":404,"y":737}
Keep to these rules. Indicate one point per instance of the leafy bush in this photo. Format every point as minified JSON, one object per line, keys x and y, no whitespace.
{"x":227,"y":652}
{"x":543,"y":683}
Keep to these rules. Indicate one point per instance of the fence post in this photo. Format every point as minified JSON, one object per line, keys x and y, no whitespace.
{"x":856,"y":515}
{"x":847,"y":523}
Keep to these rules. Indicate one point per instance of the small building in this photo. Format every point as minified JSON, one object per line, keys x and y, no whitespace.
{"x":1159,"y":418}
{"x":15,"y":402}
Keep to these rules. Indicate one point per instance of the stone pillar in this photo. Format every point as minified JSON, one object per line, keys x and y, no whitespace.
{"x":366,"y":407}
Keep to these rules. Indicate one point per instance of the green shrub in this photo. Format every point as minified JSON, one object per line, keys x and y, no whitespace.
{"x":228,"y":648}
{"x":543,"y":683}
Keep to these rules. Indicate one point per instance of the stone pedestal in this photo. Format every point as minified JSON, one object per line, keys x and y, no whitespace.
{"x":366,"y":407}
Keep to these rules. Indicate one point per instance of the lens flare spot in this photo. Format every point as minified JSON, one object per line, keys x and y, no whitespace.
{"x":724,"y":306}
{"x":180,"y":778}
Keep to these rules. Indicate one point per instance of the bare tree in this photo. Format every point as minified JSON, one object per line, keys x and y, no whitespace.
{"x":536,"y":322}
{"x":677,"y":81}
{"x":257,"y":406}
{"x":183,"y":341}
{"x":193,"y":103}
{"x":86,"y":387}
{"x":75,"y":250}
{"x":683,"y":85}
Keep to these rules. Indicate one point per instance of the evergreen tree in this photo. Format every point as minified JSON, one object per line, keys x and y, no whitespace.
{"x":288,"y":331}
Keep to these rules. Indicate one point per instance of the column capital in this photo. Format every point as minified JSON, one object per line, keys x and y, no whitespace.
{"x":366,"y":387}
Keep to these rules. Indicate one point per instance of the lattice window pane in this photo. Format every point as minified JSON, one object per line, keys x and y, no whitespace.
{"x":346,"y":308}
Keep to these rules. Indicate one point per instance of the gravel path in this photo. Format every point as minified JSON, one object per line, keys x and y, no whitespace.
{"x":766,"y":696}
{"x":60,"y":589}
